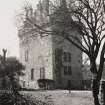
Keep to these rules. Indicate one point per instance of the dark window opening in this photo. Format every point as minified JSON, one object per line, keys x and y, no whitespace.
{"x":23,"y":83}
{"x":67,"y":70}
{"x":32,"y":74}
{"x":67,"y":57}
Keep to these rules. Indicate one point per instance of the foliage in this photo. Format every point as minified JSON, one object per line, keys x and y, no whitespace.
{"x":11,"y":67}
{"x":11,"y":99}
{"x":10,"y":70}
{"x":18,"y":99}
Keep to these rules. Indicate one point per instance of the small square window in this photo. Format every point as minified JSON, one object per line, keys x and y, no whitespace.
{"x":67,"y":57}
{"x":67,"y":70}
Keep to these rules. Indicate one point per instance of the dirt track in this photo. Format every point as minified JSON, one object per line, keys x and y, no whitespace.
{"x":63,"y":97}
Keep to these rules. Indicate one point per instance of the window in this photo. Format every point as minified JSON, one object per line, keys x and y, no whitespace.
{"x":26,"y":55}
{"x":23,"y":83}
{"x":42,"y":73}
{"x":32,"y":74}
{"x":67,"y":70}
{"x":67,"y":57}
{"x":58,"y":54}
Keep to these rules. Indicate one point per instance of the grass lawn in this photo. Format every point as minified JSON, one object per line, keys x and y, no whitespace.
{"x":62,"y":97}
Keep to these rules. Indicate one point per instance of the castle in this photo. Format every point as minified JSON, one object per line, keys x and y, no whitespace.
{"x":51,"y":62}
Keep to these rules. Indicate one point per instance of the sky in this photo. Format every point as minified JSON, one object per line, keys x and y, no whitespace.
{"x":8,"y":30}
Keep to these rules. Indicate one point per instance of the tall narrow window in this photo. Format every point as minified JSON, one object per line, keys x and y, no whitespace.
{"x":32,"y":74}
{"x":42,"y":73}
{"x":69,"y":70}
{"x":26,"y":55}
{"x":65,"y":57}
{"x":69,"y":57}
{"x":23,"y":83}
{"x":65,"y":70}
{"x":58,"y":54}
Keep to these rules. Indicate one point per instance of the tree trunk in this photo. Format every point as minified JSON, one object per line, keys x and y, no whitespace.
{"x":102,"y":93}
{"x":96,"y":80}
{"x":95,"y":90}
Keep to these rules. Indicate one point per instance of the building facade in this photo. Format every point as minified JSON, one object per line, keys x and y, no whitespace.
{"x":50,"y":61}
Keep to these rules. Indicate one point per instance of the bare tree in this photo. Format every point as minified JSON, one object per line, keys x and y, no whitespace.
{"x":88,"y":17}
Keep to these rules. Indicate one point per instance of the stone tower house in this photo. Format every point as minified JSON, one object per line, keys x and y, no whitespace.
{"x":50,"y":61}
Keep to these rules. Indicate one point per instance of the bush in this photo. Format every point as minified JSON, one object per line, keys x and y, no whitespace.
{"x":13,"y":99}
{"x":18,"y":99}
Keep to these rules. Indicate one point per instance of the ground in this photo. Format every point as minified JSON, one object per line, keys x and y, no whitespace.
{"x":62,"y":97}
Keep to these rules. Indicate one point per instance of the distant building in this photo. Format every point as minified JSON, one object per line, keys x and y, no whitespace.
{"x":49,"y":62}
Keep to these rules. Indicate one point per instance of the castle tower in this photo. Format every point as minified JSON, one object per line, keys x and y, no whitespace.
{"x":58,"y":64}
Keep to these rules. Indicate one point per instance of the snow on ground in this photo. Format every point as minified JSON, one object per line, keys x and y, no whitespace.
{"x":63,"y":97}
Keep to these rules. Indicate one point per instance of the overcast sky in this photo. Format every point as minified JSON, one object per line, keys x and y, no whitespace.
{"x":8,"y":30}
